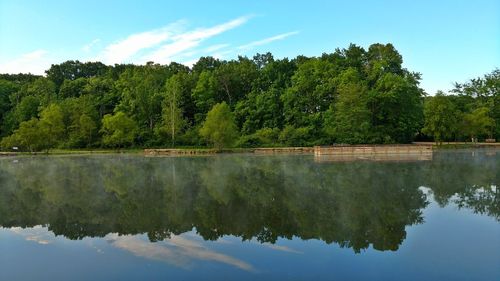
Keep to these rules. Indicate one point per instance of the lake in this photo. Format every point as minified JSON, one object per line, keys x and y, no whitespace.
{"x":250,"y":217}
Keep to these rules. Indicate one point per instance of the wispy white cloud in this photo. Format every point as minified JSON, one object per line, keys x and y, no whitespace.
{"x":123,"y":50}
{"x":214,"y":48}
{"x":174,"y":42}
{"x":267,"y":40}
{"x":191,"y":39}
{"x":213,"y":51}
{"x":35,"y":62}
{"x":88,"y":47}
{"x":221,"y":55}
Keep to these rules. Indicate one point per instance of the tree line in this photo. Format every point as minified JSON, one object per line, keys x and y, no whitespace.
{"x":350,"y":96}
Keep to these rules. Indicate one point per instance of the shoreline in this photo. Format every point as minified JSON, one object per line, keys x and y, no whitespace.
{"x":258,"y":150}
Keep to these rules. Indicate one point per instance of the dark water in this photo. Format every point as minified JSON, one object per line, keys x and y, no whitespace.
{"x":247,"y":217}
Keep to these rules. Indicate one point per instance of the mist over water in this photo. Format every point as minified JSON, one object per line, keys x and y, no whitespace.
{"x":251,"y":217}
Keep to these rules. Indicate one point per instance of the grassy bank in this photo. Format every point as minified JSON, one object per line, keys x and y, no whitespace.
{"x":461,"y":145}
{"x":205,"y":150}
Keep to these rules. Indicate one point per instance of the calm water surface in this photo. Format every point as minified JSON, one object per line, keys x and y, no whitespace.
{"x":248,"y":217}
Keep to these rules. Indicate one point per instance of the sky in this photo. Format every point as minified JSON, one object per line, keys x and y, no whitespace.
{"x":446,"y":41}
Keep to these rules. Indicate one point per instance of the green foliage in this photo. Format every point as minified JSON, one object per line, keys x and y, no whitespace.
{"x":441,"y":117}
{"x":118,"y":130}
{"x":192,"y":137}
{"x":478,"y":123}
{"x":26,"y":137}
{"x":86,"y":129}
{"x":38,"y":134}
{"x":291,"y":136}
{"x":482,"y":92}
{"x":353,"y":95}
{"x":219,"y":128}
{"x":42,"y":88}
{"x":204,"y":94}
{"x":311,"y":93}
{"x":172,"y":118}
{"x":73,"y":110}
{"x":352,"y":119}
{"x":26,"y":109}
{"x":7,"y":88}
{"x":396,"y":105}
{"x":141,"y":90}
{"x":72,"y":70}
{"x":51,"y":126}
{"x":72,"y":88}
{"x":265,"y":137}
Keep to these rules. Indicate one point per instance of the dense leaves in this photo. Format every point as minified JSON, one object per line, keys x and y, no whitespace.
{"x":118,"y":130}
{"x":219,"y":129}
{"x":351,"y":96}
{"x":473,"y":113}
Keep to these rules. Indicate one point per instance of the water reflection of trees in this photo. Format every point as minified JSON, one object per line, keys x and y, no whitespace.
{"x":469,"y":179}
{"x":354,"y":204}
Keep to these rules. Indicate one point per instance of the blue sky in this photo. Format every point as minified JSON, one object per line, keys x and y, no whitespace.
{"x":444,"y":40}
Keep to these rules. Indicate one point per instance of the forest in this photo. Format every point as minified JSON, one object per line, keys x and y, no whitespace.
{"x":350,"y":96}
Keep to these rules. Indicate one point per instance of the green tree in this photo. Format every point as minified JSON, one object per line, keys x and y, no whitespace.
{"x":172,"y":117}
{"x":482,"y":92}
{"x":220,"y":128}
{"x":311,"y":93}
{"x":396,"y":107}
{"x":101,"y":89}
{"x":118,"y":130}
{"x":351,"y":122}
{"x":292,"y":136}
{"x":204,"y":94}
{"x":142,"y":92}
{"x":72,"y":70}
{"x":26,"y":109}
{"x":478,"y":123}
{"x":382,"y":59}
{"x":42,"y":88}
{"x":77,"y":133}
{"x":51,"y":126}
{"x":27,"y":137}
{"x":441,"y":117}
{"x":72,"y":88}
{"x":7,"y":88}
{"x":86,"y":128}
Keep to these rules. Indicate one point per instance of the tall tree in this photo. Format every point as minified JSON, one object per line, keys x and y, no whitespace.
{"x":7,"y":88}
{"x":172,"y":117}
{"x":118,"y":130}
{"x":72,"y":88}
{"x":204,"y":95}
{"x":86,"y":128}
{"x":397,"y":107}
{"x":72,"y":70}
{"x":26,"y":137}
{"x":51,"y":126}
{"x":351,"y":122}
{"x":220,"y":128}
{"x":142,"y":93}
{"x":478,"y":123}
{"x":441,"y":117}
{"x":482,"y":92}
{"x":310,"y":95}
